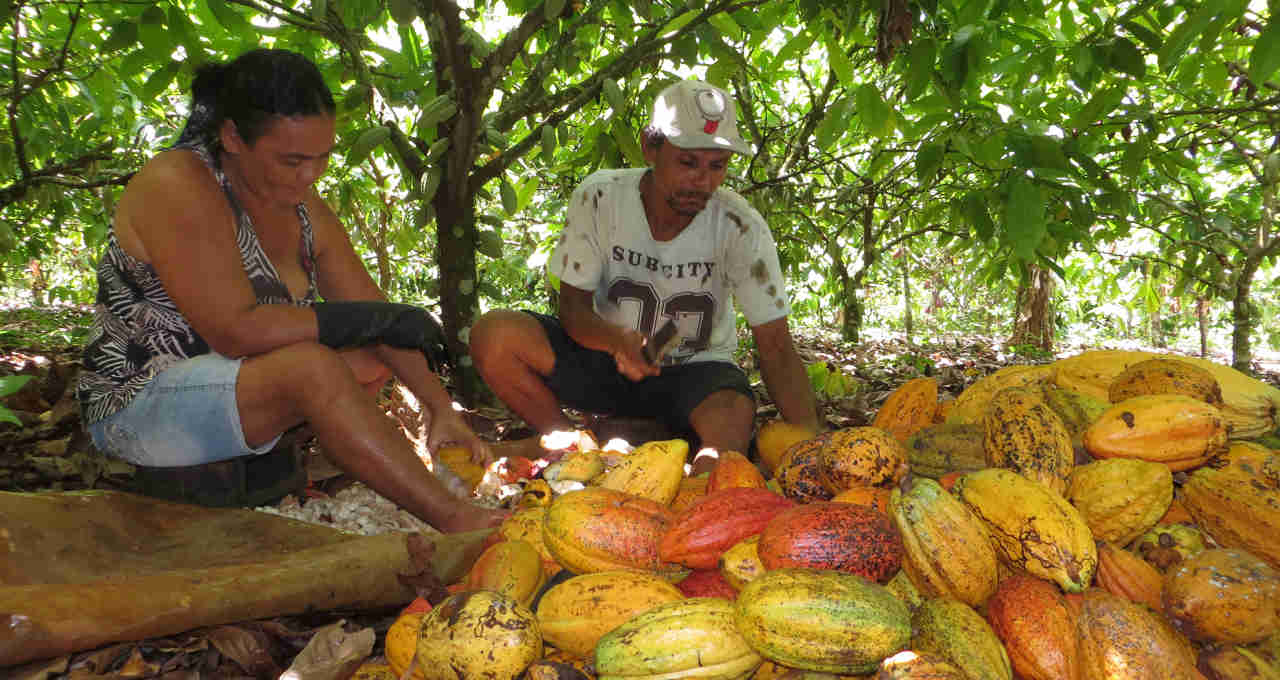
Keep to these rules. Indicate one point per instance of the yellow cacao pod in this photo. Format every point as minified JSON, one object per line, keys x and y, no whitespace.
{"x":946,"y":551}
{"x":1040,"y":532}
{"x":1166,"y":376}
{"x":1176,"y":430}
{"x":575,"y":614}
{"x":1021,"y":433}
{"x":909,"y":408}
{"x":1238,"y":503}
{"x":692,"y":638}
{"x":1120,"y":498}
{"x":652,"y":471}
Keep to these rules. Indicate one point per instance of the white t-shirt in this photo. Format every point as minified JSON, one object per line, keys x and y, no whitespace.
{"x":727,"y":251}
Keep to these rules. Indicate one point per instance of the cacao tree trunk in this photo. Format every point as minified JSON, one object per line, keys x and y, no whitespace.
{"x":456,"y":257}
{"x":1244,"y":316}
{"x":907,"y":321}
{"x":1033,"y":313}
{"x":1202,"y":316}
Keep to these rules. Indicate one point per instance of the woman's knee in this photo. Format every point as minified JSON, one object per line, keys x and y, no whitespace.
{"x":303,"y":368}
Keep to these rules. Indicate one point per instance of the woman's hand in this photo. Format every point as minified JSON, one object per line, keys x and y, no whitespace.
{"x":448,"y":428}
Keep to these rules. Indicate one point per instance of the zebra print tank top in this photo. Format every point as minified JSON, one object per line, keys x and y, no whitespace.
{"x":138,"y":331}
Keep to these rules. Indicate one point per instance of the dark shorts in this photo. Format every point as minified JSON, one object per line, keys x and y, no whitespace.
{"x":588,"y":380}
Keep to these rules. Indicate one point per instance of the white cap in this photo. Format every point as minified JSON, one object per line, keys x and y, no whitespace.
{"x":696,"y":115}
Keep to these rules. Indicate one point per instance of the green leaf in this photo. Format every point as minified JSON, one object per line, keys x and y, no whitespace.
{"x":489,"y":243}
{"x":1264,"y":59}
{"x":510,"y":203}
{"x":975,"y":205}
{"x":1102,"y":103}
{"x":548,"y":145}
{"x":155,"y":36}
{"x":158,"y":81}
{"x":230,"y":18}
{"x":1175,"y":47}
{"x":625,"y":137}
{"x":679,"y":22}
{"x":402,"y":11}
{"x":796,"y":46}
{"x":365,"y":143}
{"x":920,"y":67}
{"x":551,"y":9}
{"x":725,"y":24}
{"x":613,"y":94}
{"x":928,"y":161}
{"x":319,"y":11}
{"x":1144,"y":35}
{"x":1127,"y":58}
{"x":1024,"y":220}
{"x":833,"y":125}
{"x":840,"y":63}
{"x":124,"y":33}
{"x":873,"y":111}
{"x":10,"y":384}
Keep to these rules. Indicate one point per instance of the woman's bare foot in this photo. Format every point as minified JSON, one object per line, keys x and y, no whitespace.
{"x":470,"y":517}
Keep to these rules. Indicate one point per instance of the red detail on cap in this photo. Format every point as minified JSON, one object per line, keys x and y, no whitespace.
{"x":711,"y":126}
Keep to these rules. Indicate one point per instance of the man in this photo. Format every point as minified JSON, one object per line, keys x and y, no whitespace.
{"x":640,"y":247}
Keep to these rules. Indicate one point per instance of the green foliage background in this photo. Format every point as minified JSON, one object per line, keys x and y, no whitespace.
{"x":916,"y":160}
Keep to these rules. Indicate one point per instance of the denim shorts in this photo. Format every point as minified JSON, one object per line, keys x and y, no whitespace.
{"x":588,"y":380}
{"x":186,"y":415}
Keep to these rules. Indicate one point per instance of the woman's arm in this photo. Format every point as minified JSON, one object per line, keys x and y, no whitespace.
{"x":342,"y":276}
{"x":175,"y":216}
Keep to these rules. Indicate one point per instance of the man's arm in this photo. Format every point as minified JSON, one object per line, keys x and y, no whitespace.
{"x":784,"y":374}
{"x":625,"y":345}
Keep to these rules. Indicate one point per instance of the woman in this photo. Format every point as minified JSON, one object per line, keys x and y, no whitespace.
{"x":210,"y":343}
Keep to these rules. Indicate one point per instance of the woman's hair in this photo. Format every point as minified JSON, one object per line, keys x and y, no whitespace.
{"x":252,"y":91}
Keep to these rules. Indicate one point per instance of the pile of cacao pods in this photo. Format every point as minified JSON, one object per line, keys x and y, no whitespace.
{"x":1111,"y":516}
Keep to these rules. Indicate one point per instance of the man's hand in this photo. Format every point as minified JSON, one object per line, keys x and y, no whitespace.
{"x":629,"y":356}
{"x":449,"y":428}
